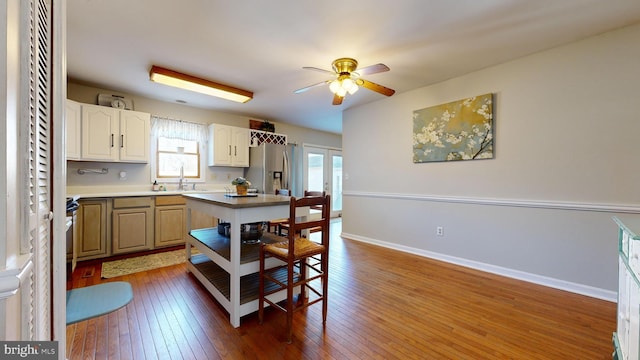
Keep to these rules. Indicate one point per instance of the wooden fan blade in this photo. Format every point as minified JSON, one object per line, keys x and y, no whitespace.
{"x":372,"y":69}
{"x":309,"y":87}
{"x":337,"y":100}
{"x":375,"y":87}
{"x":318,"y":69}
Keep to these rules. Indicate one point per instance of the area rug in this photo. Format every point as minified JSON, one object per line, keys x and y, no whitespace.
{"x":96,"y":300}
{"x":142,"y":263}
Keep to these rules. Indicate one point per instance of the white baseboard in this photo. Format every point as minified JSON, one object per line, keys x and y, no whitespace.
{"x":510,"y":273}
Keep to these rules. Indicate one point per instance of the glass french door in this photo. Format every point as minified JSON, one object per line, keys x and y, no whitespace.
{"x":323,"y":172}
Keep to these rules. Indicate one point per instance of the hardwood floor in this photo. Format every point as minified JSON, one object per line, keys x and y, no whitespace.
{"x":383,"y":304}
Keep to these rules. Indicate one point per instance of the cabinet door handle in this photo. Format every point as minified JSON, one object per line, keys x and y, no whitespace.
{"x":121,"y":140}
{"x":235,"y":150}
{"x":229,"y":150}
{"x":111,"y":140}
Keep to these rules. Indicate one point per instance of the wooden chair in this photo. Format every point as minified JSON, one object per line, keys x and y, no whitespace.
{"x":285,"y":225}
{"x":314,"y":193}
{"x":298,"y":271}
{"x":276,"y":224}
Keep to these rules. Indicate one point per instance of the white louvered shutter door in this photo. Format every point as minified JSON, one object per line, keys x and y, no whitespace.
{"x":36,"y":135}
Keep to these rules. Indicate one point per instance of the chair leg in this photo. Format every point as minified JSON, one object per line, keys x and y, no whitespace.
{"x":303,"y":276}
{"x":290,"y":301}
{"x":261,"y":287}
{"x":325,"y":285}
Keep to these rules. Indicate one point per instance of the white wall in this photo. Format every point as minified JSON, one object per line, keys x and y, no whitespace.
{"x":10,"y":322}
{"x":138,"y":174}
{"x":566,"y":147}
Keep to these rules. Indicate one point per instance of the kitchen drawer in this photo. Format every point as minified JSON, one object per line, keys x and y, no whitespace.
{"x":170,"y":200}
{"x":131,"y":202}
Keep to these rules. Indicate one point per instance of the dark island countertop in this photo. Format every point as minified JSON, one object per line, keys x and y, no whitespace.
{"x":239,"y":202}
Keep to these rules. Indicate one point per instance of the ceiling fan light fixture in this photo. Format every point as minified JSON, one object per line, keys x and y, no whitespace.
{"x":196,"y":84}
{"x":347,"y":84}
{"x":334,"y":86}
{"x":347,"y":79}
{"x":343,"y":86}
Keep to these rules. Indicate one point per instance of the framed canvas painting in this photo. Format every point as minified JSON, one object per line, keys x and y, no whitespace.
{"x":459,"y":130}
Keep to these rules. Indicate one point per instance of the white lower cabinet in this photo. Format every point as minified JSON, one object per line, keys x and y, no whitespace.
{"x":92,"y":229}
{"x":171,"y":220}
{"x":111,"y":226}
{"x":132,"y":224}
{"x":626,"y":339}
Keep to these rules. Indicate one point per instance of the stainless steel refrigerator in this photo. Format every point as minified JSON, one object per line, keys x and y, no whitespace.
{"x":269,"y":168}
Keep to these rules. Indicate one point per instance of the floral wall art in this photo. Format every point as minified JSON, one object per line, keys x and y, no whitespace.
{"x":459,"y":130}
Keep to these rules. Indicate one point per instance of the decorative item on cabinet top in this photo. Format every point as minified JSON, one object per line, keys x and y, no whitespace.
{"x":115,"y":101}
{"x":261,"y":125}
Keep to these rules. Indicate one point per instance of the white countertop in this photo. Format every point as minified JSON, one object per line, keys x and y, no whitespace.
{"x":80,"y":192}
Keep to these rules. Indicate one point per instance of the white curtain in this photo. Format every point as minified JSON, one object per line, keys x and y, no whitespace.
{"x":178,"y":129}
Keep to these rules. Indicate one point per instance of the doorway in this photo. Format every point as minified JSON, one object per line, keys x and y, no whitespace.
{"x":323,"y":172}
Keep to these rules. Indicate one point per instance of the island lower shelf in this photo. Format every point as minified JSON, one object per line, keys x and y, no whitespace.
{"x":209,"y":268}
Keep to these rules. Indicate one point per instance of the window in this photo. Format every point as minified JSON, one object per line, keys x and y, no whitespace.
{"x":177,"y":148}
{"x":176,"y":156}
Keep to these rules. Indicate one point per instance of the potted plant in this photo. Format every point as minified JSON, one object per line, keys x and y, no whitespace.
{"x":241,"y":184}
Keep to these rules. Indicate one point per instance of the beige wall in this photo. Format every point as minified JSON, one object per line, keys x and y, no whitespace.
{"x":138,"y":174}
{"x":566,"y":147}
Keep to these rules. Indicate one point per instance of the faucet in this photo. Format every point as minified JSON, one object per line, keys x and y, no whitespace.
{"x":182,"y":184}
{"x":182,"y":181}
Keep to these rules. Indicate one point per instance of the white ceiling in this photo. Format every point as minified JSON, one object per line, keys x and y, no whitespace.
{"x":261,"y":45}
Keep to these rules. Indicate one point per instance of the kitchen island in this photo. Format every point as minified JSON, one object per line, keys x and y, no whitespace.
{"x":228,"y":268}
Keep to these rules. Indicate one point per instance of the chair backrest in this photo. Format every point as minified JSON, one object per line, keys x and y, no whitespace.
{"x":298,"y":224}
{"x":308,"y":193}
{"x":314,"y":193}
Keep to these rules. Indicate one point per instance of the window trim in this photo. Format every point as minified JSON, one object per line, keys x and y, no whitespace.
{"x":158,"y":152}
{"x":201,"y":178}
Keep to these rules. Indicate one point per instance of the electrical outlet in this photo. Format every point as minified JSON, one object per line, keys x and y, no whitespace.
{"x":440,"y":231}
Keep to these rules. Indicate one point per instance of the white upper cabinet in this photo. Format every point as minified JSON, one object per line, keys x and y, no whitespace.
{"x":99,"y":133}
{"x":228,"y":146}
{"x":72,"y":117}
{"x":240,"y":140}
{"x":134,"y":136}
{"x":114,"y":135}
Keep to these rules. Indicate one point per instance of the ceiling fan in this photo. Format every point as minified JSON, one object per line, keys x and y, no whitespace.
{"x":347,"y":79}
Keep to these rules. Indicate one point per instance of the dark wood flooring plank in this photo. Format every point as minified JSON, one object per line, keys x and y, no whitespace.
{"x":182,"y":325}
{"x":155,"y":328}
{"x":189,"y":312}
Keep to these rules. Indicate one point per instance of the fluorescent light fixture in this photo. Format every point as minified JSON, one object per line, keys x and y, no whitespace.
{"x":192,"y":83}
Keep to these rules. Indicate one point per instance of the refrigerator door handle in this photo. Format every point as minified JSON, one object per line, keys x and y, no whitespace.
{"x":286,"y":170}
